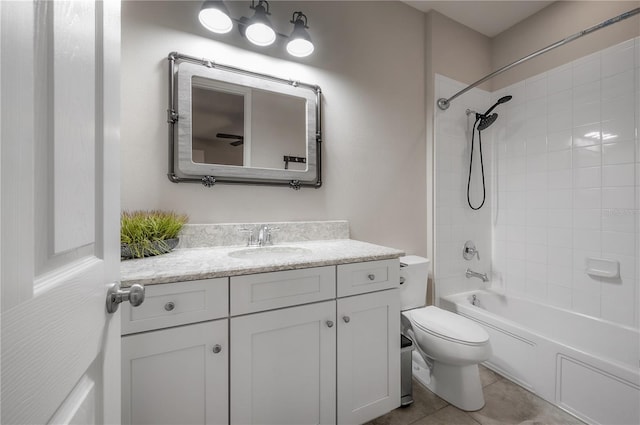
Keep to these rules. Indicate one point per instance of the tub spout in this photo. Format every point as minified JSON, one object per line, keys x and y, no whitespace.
{"x":470,"y":273}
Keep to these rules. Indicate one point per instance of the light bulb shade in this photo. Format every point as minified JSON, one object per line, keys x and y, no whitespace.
{"x":259,"y":30}
{"x":300,"y":44}
{"x":214,"y":16}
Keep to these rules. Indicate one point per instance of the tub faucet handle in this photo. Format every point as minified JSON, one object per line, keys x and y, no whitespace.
{"x":470,"y":250}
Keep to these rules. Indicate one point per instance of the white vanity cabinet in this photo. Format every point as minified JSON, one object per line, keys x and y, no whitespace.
{"x":368,"y":356}
{"x":177,"y":375}
{"x":309,"y":346}
{"x":283,"y":366}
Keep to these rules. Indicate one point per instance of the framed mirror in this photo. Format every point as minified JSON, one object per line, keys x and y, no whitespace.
{"x":229,"y":125}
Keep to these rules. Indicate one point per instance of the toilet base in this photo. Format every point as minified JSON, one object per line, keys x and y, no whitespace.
{"x":458,"y":385}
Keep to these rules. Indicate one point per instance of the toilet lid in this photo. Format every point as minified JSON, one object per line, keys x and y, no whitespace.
{"x":448,"y":325}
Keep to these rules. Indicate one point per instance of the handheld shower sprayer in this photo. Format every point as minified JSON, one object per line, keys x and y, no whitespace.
{"x":483,"y":122}
{"x":485,"y":119}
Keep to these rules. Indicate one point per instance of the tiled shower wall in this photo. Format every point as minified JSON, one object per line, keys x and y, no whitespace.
{"x":455,"y":221}
{"x":562,"y":165}
{"x":565,"y":179}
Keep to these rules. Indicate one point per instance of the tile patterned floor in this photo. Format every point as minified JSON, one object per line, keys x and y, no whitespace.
{"x":506,"y":403}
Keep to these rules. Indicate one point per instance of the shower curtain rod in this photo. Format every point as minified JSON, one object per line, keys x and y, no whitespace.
{"x":444,"y":103}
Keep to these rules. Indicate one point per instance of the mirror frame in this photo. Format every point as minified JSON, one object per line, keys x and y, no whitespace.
{"x":182,"y":169}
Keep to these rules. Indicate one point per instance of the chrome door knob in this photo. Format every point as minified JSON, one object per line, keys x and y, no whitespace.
{"x":217,"y":348}
{"x":329,"y":323}
{"x":169,"y":306}
{"x":346,"y":319}
{"x":116,"y":295}
{"x":372,"y":276}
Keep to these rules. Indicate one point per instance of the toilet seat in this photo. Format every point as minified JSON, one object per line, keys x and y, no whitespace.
{"x":448,"y":326}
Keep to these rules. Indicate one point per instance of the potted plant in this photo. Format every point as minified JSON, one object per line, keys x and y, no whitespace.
{"x":147,"y":233}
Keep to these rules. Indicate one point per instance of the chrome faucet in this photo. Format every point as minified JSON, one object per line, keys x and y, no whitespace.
{"x":470,"y":273}
{"x":264,"y":235}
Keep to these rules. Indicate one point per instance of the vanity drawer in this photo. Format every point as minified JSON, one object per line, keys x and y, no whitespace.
{"x":267,"y":291}
{"x":178,"y":303}
{"x":359,"y":278}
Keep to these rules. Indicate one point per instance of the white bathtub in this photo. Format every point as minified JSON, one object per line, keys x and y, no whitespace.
{"x":586,"y":366}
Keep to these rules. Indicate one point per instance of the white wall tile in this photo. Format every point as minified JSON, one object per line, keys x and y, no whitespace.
{"x":564,"y":186}
{"x":559,"y":255}
{"x":618,"y":152}
{"x":587,"y":177}
{"x":559,"y":296}
{"x":586,"y":70}
{"x":618,"y":175}
{"x":587,"y":219}
{"x":618,"y":197}
{"x":617,"y":85}
{"x":560,"y":276}
{"x":559,"y":140}
{"x":560,"y":179}
{"x":587,"y":240}
{"x":587,"y":135}
{"x":586,"y":113}
{"x":560,"y":120}
{"x":589,"y":156}
{"x":622,"y":107}
{"x":587,"y":198}
{"x":618,"y":129}
{"x":618,"y":58}
{"x":560,"y":198}
{"x":618,"y":242}
{"x":558,"y":79}
{"x":560,"y":237}
{"x":559,"y":160}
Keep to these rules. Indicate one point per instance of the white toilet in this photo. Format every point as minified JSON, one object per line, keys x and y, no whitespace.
{"x":448,"y":346}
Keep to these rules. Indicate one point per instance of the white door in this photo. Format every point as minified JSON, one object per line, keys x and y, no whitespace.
{"x":368,"y":356}
{"x":283,"y":366}
{"x":59,"y":210}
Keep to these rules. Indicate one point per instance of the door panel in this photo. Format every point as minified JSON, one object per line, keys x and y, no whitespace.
{"x":59,"y":210}
{"x":173,"y":376}
{"x":283,"y":366}
{"x":368,"y":356}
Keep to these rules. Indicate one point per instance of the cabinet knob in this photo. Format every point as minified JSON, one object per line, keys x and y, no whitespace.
{"x":346,"y":319}
{"x":329,"y":323}
{"x":217,"y":348}
{"x":169,"y":306}
{"x":372,"y":276}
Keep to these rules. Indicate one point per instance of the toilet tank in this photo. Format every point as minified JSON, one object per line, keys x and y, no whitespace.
{"x":414,"y":272}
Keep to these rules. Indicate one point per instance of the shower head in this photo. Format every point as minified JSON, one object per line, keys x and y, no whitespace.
{"x":486,"y":121}
{"x":488,"y":118}
{"x":500,"y":101}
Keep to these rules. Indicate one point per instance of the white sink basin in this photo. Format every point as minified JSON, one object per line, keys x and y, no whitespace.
{"x":269,"y":252}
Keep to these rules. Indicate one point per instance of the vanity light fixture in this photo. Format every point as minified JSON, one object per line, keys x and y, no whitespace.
{"x":299,"y":44}
{"x":215,"y":17}
{"x":259,"y":30}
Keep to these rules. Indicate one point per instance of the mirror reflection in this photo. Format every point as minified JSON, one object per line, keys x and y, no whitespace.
{"x":240,"y":126}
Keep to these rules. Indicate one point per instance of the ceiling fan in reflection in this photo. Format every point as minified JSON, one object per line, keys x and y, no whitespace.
{"x":239,"y":140}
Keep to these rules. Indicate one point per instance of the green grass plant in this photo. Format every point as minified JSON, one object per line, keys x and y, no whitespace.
{"x":144,"y":232}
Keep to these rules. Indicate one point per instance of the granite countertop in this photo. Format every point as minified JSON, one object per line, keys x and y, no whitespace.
{"x":205,"y":263}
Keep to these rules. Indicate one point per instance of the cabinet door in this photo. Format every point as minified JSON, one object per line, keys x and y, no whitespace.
{"x":368,"y":356}
{"x":176,"y":376}
{"x":283,"y":366}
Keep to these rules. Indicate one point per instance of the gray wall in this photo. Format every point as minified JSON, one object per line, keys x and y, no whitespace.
{"x":374,"y":122}
{"x":555,"y":22}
